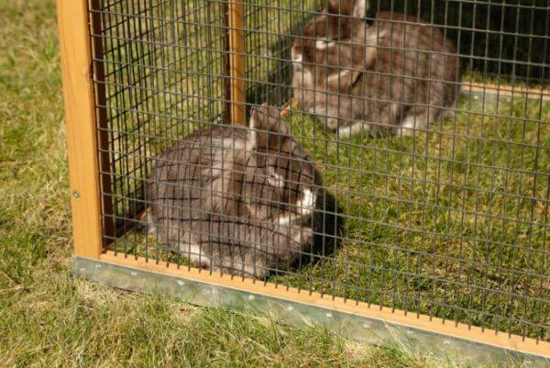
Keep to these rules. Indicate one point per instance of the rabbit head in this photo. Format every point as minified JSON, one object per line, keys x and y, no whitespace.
{"x":336,"y":46}
{"x":327,"y":65}
{"x":336,"y":23}
{"x":285,"y":177}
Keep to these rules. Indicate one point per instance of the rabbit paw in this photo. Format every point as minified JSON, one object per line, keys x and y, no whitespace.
{"x":258,"y":271}
{"x":353,"y":129}
{"x":151,"y":227}
{"x":332,"y":123}
{"x":410,"y":124}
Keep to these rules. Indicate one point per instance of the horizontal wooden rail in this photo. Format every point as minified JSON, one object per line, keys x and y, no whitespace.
{"x":505,"y":90}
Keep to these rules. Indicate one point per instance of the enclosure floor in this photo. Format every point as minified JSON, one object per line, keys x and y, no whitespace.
{"x":450,"y":222}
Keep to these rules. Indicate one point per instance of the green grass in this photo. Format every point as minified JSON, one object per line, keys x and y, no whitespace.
{"x":451,"y":222}
{"x":47,"y":318}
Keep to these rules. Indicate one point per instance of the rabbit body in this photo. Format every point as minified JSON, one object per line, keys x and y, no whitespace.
{"x":393,"y":76}
{"x":235,"y":199}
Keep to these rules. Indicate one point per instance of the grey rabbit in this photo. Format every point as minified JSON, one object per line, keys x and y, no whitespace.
{"x":393,"y":76}
{"x":236,"y":199}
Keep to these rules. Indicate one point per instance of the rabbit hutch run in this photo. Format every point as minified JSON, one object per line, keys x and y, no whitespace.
{"x":379,"y":167}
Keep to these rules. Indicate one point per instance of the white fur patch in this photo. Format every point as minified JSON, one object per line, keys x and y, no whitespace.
{"x":286,"y":220}
{"x":255,"y":270}
{"x":353,"y":129}
{"x":230,"y":143}
{"x":252,"y":135}
{"x":305,"y":205}
{"x":360,"y":9}
{"x":308,"y":77}
{"x":150,"y":222}
{"x":253,"y":121}
{"x":323,"y":44}
{"x":195,"y":254}
{"x":297,"y":58}
{"x":410,"y":123}
{"x":276,"y":180}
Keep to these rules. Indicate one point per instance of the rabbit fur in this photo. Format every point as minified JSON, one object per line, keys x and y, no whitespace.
{"x":393,"y":76}
{"x":234,"y":199}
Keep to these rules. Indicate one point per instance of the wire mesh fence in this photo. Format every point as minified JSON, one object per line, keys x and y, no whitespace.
{"x":411,"y":170}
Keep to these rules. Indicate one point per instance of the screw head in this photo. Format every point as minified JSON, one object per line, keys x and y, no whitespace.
{"x":76,"y":195}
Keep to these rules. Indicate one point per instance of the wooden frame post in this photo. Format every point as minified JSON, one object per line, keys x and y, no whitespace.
{"x":80,"y":117}
{"x":98,"y":70}
{"x":235,"y":14}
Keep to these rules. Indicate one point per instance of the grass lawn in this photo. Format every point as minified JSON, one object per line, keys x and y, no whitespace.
{"x":48,"y":319}
{"x":452,"y":222}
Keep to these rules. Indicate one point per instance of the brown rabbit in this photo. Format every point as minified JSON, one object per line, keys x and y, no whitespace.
{"x":324,"y":68}
{"x":395,"y":75}
{"x":319,"y":54}
{"x":236,"y":199}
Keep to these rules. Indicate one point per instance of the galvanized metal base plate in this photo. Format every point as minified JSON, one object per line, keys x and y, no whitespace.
{"x":295,"y":313}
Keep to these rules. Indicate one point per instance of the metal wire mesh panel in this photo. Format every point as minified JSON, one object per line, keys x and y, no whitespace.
{"x":411,"y":170}
{"x":162,"y":65}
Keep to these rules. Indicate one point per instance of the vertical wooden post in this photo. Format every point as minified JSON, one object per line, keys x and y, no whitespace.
{"x":235,"y":15}
{"x":98,"y":70}
{"x":78,"y":93}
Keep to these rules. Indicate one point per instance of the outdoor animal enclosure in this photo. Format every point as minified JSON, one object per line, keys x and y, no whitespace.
{"x":332,"y":153}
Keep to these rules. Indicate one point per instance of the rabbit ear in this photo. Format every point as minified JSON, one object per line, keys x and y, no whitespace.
{"x":360,"y":8}
{"x":265,"y":121}
{"x":341,"y":7}
{"x":331,"y":6}
{"x":274,"y":179}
